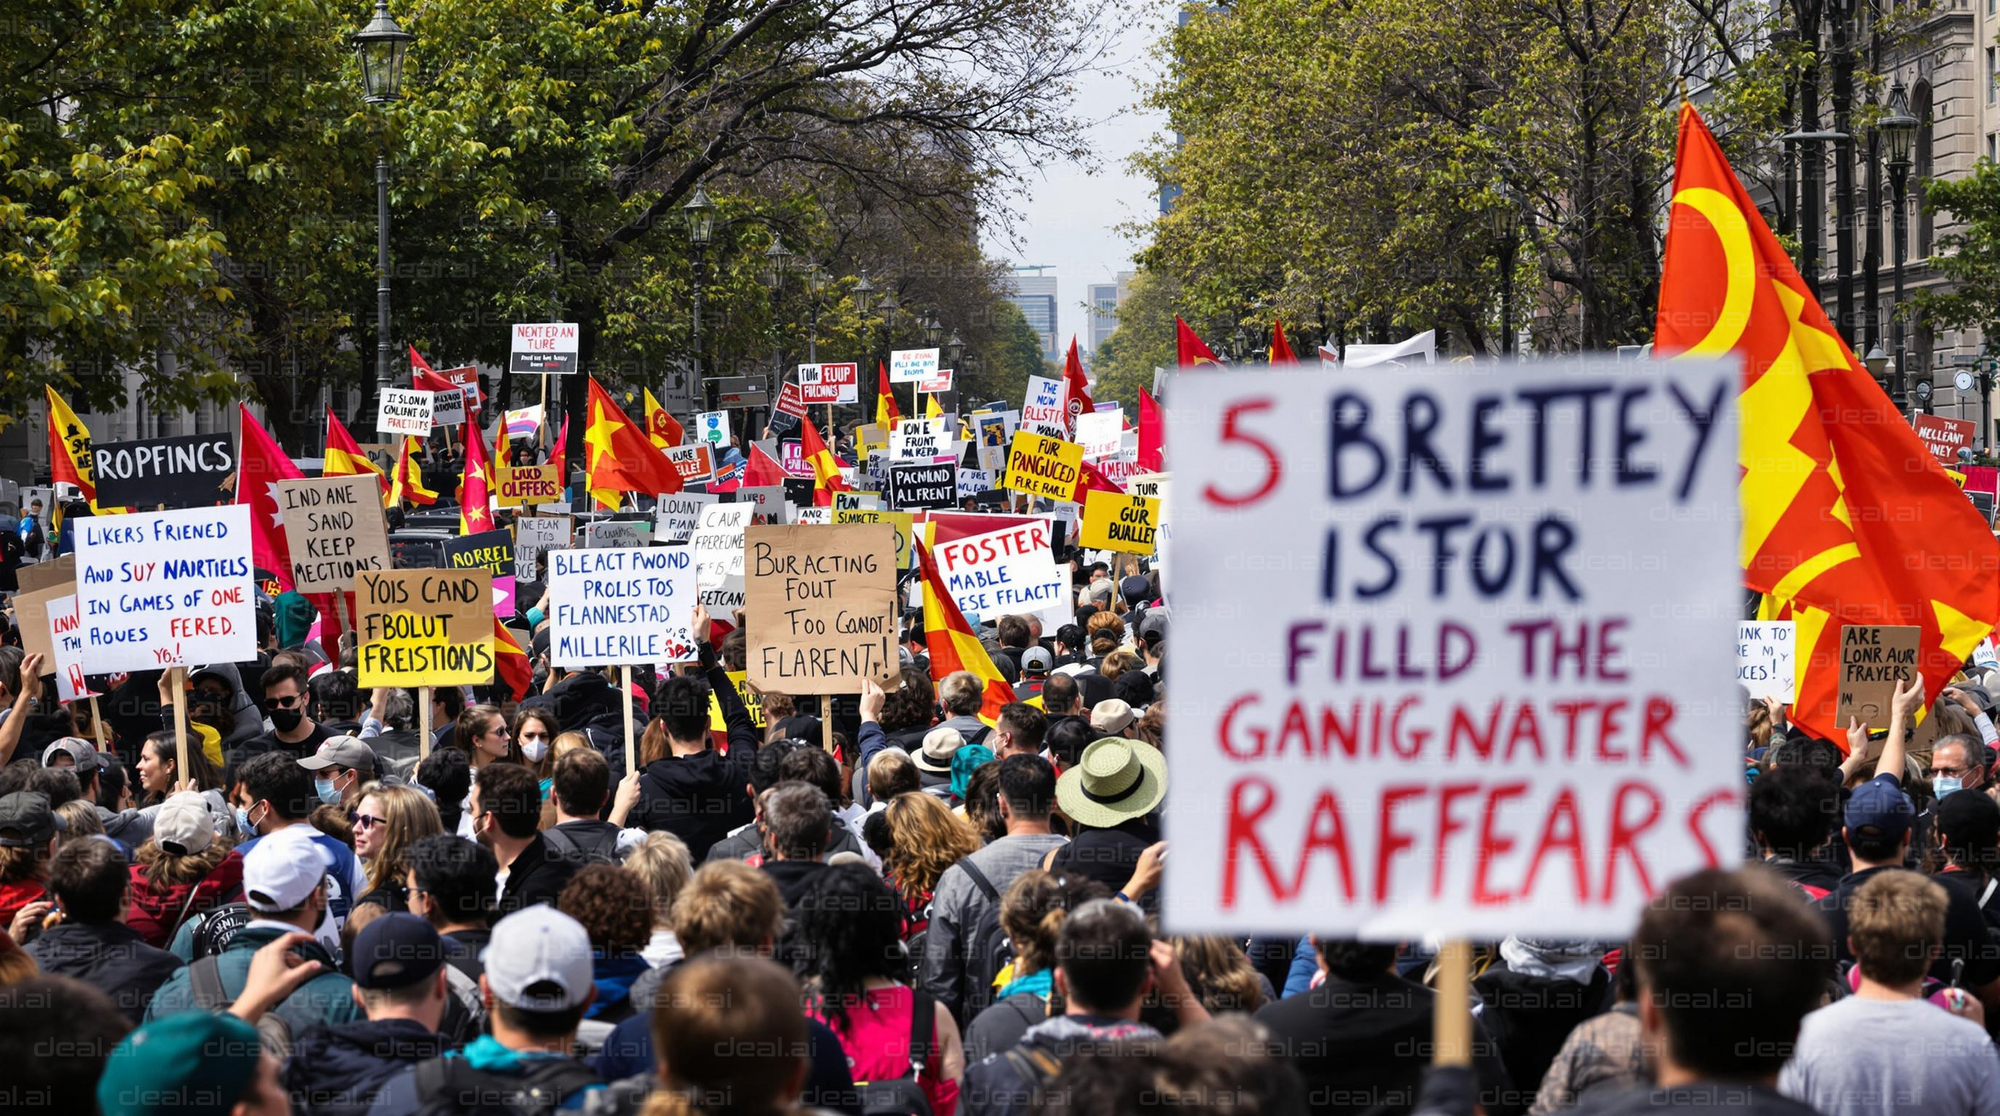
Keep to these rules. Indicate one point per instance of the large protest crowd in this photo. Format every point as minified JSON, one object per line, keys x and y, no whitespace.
{"x":907,"y":910}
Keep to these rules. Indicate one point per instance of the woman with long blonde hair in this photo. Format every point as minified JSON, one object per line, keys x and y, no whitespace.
{"x":925,"y":839}
{"x":389,"y":818}
{"x":184,"y":874}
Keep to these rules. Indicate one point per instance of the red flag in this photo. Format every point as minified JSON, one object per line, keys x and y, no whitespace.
{"x":1152,"y":434}
{"x":260,"y":465}
{"x":1281,"y":352}
{"x":418,"y":363}
{"x":344,"y":457}
{"x":1847,"y":518}
{"x":1093,"y":478}
{"x":1191,"y":348}
{"x":619,"y":457}
{"x":556,"y":450}
{"x":761,"y":469}
{"x":1079,"y":388}
{"x":510,"y":663}
{"x":475,"y":494}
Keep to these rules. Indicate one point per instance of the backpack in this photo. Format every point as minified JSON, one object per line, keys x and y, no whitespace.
{"x":987,"y":949}
{"x":451,"y":1085}
{"x":565,"y":845}
{"x":1037,"y":1069}
{"x":905,"y":1096}
{"x":211,"y":931}
{"x":205,"y":987}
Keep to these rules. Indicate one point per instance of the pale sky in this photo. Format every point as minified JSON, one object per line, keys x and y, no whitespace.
{"x":1070,"y":216}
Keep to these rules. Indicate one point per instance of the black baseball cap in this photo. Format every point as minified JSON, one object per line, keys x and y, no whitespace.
{"x":396,"y":951}
{"x":26,"y":822}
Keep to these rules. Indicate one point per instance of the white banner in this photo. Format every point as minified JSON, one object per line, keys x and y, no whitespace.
{"x":1098,"y":433}
{"x":627,"y":605}
{"x":677,"y":514}
{"x":1766,"y":658}
{"x":1045,"y":408}
{"x":718,"y":555}
{"x":161,"y":589}
{"x":907,"y":366}
{"x":401,"y":412}
{"x":1011,"y":571}
{"x":534,"y":534}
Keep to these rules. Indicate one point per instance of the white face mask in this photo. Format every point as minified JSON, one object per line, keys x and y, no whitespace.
{"x":534,"y":747}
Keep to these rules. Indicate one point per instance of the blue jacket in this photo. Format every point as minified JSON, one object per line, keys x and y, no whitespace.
{"x":327,"y":998}
{"x":337,"y":1071}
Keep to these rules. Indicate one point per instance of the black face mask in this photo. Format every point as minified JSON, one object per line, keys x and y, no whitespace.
{"x":285,"y":720}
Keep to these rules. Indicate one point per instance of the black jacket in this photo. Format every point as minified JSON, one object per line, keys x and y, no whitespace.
{"x":462,"y":948}
{"x":700,"y":798}
{"x":748,"y":842}
{"x":793,"y":877}
{"x":110,"y":957}
{"x":536,"y":876}
{"x":334,"y":1071}
{"x":1528,"y":1017}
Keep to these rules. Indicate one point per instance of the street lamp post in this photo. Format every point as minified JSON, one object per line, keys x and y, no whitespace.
{"x":816,"y":284}
{"x":1502,"y":219}
{"x":1899,"y":132}
{"x":954,"y":355}
{"x":380,"y":46}
{"x":700,"y":214}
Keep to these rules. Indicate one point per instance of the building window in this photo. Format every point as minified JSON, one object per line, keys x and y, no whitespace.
{"x":1990,"y":73}
{"x":1993,"y":147}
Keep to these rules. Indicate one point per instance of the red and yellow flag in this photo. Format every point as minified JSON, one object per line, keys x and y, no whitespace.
{"x":1847,"y":518}
{"x":510,"y":664}
{"x":345,"y":459}
{"x":475,"y":493}
{"x":407,"y":481}
{"x":1281,"y":350}
{"x":886,"y":414}
{"x":660,"y":425}
{"x":1192,"y":349}
{"x":618,"y":456}
{"x":69,"y":448}
{"x":825,"y":466}
{"x":952,"y":643}
{"x":1152,"y":434}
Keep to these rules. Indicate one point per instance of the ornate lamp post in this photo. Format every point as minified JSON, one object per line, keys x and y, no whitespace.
{"x":381,"y":46}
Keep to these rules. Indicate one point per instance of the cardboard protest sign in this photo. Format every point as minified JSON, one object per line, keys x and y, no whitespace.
{"x":935,"y":383}
{"x":404,"y":412}
{"x":534,"y":534}
{"x":830,"y":383}
{"x":1045,"y":409}
{"x":621,"y":606}
{"x":183,"y":472}
{"x":424,"y":627}
{"x":1042,"y":466}
{"x":920,"y":439}
{"x":849,"y":501}
{"x":711,"y":428}
{"x":1439,"y":699}
{"x":1872,"y":658}
{"x":335,"y":529}
{"x":165,"y":589}
{"x":529,"y":486}
{"x":920,"y":485}
{"x":990,"y":437}
{"x":59,"y":570}
{"x":50,"y":627}
{"x":1944,"y":437}
{"x":676,"y":514}
{"x":1766,"y":658}
{"x":753,"y":702}
{"x":487,"y":550}
{"x":613,"y":533}
{"x":718,"y":555}
{"x":903,"y":523}
{"x":1098,"y":433}
{"x":1000,"y":565}
{"x":695,"y":463}
{"x":548,"y":348}
{"x":907,"y":366}
{"x":973,"y":482}
{"x":821,"y":608}
{"x":766,"y":499}
{"x":1121,"y":522}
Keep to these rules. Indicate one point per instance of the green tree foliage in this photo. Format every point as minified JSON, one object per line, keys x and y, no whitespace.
{"x":1968,"y":256}
{"x":1143,"y":341}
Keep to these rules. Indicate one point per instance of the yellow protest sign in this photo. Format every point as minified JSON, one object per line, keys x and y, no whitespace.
{"x":1043,"y":466}
{"x":869,"y":437}
{"x":1119,"y":521}
{"x":523,"y":486}
{"x":1957,"y":477}
{"x":424,"y":627}
{"x":904,"y":522}
{"x":752,"y":701}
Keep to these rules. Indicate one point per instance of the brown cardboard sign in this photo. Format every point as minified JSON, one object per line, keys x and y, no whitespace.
{"x":335,"y":530}
{"x":1873,"y":657}
{"x":821,"y":605}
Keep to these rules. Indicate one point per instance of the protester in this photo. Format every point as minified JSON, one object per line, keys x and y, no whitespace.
{"x":959,"y":960}
{"x":91,"y":943}
{"x":447,"y":774}
{"x":537,"y":986}
{"x":1886,"y":1049}
{"x":1220,"y":975}
{"x":854,"y":974}
{"x":1792,"y":812}
{"x":481,"y":733}
{"x":662,"y":865}
{"x":960,"y":695}
{"x":1032,"y":913}
{"x":1111,"y":795}
{"x":288,"y":706}
{"x":451,"y":884}
{"x":28,"y":828}
{"x":1968,"y":841}
{"x":341,"y":766}
{"x":1534,"y":995}
{"x":184,"y":871}
{"x":730,"y":1035}
{"x":941,"y":745}
{"x":159,"y":772}
{"x":535,"y":730}
{"x":581,"y":784}
{"x":506,"y":805}
{"x":1019,"y":730}
{"x":400,"y":981}
{"x":926,"y":839}
{"x":1602,"y":1056}
{"x":56,"y":1037}
{"x":387,"y":820}
{"x":274,"y":795}
{"x":689,"y":789}
{"x":610,"y":903}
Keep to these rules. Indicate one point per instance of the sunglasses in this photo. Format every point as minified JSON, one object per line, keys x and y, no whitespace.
{"x":285,"y":702}
{"x":368,"y":821}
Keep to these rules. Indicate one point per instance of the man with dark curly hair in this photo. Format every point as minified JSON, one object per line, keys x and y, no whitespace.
{"x":615,"y":910}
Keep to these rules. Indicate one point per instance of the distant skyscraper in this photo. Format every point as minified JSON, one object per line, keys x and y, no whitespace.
{"x":1104,"y":302}
{"x":1036,"y":296}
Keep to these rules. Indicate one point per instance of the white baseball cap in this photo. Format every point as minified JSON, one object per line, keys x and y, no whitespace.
{"x":538,"y":959}
{"x":281,"y":871}
{"x":183,"y":825}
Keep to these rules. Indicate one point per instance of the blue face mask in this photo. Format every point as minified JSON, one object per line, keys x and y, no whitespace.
{"x":1942,"y":785}
{"x":329,"y":793}
{"x":243,"y":825}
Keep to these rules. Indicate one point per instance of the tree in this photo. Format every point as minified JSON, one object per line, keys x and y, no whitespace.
{"x":1968,"y":256}
{"x":1143,"y":341}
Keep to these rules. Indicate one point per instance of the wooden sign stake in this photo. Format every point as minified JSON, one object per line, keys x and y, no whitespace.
{"x":177,"y":682}
{"x":625,"y":695}
{"x":1451,"y":1024}
{"x":423,"y":723}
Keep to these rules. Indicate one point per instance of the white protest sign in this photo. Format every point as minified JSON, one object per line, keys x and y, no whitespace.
{"x":1766,"y":658}
{"x":1460,"y":676}
{"x":712,"y":428}
{"x":991,"y":435}
{"x":972,"y":482}
{"x":817,"y":515}
{"x":66,"y":632}
{"x":677,"y":514}
{"x":165,"y":589}
{"x":920,"y":439}
{"x":1007,"y":572}
{"x":404,"y":412}
{"x":607,"y":533}
{"x":534,"y":534}
{"x":907,"y":366}
{"x":1045,"y":409}
{"x":695,"y":464}
{"x":766,"y":499}
{"x":718,"y":555}
{"x":829,"y":383}
{"x":1097,"y":432}
{"x":625,"y":605}
{"x":543,"y":347}
{"x":939,"y":381}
